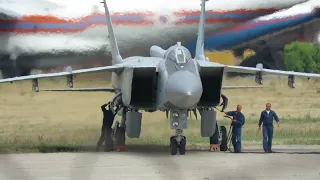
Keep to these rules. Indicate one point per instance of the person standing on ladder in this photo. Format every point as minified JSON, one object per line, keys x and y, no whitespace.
{"x":237,"y":123}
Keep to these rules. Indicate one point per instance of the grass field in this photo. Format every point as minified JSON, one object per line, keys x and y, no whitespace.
{"x":30,"y":120}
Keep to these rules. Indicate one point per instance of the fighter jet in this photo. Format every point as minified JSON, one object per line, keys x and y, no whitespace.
{"x":168,"y":81}
{"x":46,"y":34}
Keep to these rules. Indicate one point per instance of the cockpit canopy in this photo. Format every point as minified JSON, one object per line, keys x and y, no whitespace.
{"x":179,"y":58}
{"x":179,"y":54}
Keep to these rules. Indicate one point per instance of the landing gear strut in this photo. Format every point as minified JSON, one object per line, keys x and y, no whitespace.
{"x":119,"y":132}
{"x":119,"y":137}
{"x":178,"y":142}
{"x":119,"y":129}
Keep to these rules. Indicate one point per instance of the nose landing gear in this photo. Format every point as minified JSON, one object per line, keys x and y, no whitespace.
{"x":178,"y":142}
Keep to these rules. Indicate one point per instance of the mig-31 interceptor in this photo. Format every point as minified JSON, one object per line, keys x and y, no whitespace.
{"x":169,"y":80}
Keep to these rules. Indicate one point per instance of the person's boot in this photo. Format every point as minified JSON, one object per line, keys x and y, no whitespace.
{"x":270,"y":151}
{"x":99,"y":143}
{"x":108,"y":145}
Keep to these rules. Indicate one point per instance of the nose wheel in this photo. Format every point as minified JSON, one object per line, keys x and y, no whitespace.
{"x":178,"y":143}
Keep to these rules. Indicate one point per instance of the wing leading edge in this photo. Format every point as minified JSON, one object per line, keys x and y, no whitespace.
{"x":258,"y":69}
{"x":250,"y":70}
{"x":115,"y":68}
{"x":103,"y":89}
{"x":69,"y":74}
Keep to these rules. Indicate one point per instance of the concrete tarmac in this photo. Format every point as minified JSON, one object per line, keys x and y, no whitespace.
{"x":289,"y":162}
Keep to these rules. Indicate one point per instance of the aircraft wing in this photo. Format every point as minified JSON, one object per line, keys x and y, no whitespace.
{"x":107,"y":89}
{"x":114,"y":68}
{"x":260,"y":28}
{"x":258,"y":71}
{"x":131,"y":63}
{"x":250,"y":70}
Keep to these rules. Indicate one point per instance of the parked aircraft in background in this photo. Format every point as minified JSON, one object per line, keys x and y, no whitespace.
{"x":45,"y":34}
{"x":267,"y":35}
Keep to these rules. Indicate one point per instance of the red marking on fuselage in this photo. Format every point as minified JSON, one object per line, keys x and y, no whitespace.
{"x":56,"y":20}
{"x":65,"y":31}
{"x":240,"y":11}
{"x":248,"y":26}
{"x":211,"y":21}
{"x":39,"y":19}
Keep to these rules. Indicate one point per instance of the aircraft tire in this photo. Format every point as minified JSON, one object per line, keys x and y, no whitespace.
{"x":173,"y":146}
{"x":182,"y":146}
{"x":214,"y":139}
{"x":224,"y":142}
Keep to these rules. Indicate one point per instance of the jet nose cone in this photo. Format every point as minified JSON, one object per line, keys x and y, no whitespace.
{"x":183,"y":89}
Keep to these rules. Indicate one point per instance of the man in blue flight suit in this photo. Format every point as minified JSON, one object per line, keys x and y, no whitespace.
{"x":237,"y":122}
{"x":266,"y":118}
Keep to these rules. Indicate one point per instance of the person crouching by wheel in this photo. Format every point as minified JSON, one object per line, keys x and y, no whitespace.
{"x":237,"y":122}
{"x":106,"y":129}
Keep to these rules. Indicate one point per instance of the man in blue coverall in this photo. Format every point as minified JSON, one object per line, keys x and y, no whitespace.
{"x":266,"y":118}
{"x":237,"y":122}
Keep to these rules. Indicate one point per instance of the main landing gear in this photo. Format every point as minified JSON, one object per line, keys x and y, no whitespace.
{"x":178,"y":142}
{"x":119,"y":129}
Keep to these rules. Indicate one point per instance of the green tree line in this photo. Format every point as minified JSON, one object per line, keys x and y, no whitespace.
{"x":302,"y":57}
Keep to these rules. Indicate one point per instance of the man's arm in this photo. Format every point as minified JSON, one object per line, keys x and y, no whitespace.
{"x":260,"y":120}
{"x":275,"y":117}
{"x":230,"y":113}
{"x":103,"y":107}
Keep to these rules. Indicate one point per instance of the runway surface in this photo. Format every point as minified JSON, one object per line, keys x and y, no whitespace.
{"x":289,"y":162}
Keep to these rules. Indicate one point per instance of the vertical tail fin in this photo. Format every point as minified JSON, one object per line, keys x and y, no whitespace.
{"x":116,"y":57}
{"x":200,"y":39}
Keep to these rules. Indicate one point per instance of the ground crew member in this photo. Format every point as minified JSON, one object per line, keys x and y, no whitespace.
{"x":237,"y":122}
{"x":106,"y":129}
{"x":266,"y":118}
